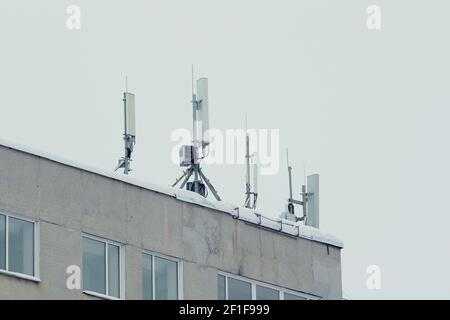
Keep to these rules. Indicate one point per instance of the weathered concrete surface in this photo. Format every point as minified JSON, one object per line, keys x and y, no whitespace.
{"x":69,"y":201}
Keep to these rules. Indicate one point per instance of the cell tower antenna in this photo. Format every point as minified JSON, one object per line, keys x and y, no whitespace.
{"x":291,"y":200}
{"x":190,"y":154}
{"x":129,"y":135}
{"x":249,"y":193}
{"x":310,"y":198}
{"x":290,"y":175}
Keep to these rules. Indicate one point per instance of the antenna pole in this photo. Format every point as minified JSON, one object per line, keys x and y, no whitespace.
{"x":248,"y":187}
{"x":290,"y":175}
{"x":126,"y":165}
{"x":304,"y":200}
{"x":304,"y":173}
{"x":291,"y":200}
{"x":247,"y":160}
{"x":255,"y":182}
{"x":195,"y":165}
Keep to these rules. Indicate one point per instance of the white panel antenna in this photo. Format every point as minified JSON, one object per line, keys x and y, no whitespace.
{"x":255,"y":175}
{"x":130,"y":118}
{"x":313,"y":201}
{"x":203,"y":108}
{"x":129,"y":135}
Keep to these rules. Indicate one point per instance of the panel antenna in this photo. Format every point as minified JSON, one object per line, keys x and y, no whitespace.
{"x":129,"y":135}
{"x":191,"y":155}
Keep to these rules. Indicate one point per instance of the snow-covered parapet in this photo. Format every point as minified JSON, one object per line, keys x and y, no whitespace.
{"x":295,"y":229}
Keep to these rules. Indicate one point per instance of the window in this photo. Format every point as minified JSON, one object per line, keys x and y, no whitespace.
{"x":160,"y":277}
{"x":2,"y":242}
{"x":239,"y":290}
{"x":290,"y":296}
{"x":147,"y":276}
{"x":101,"y":267}
{"x":231,"y":287}
{"x":264,"y":293}
{"x":221,"y":295}
{"x":18,"y":246}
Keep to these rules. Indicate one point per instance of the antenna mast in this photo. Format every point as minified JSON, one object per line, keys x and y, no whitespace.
{"x":292,"y":201}
{"x":248,"y":190}
{"x":129,"y":135}
{"x":190,"y":155}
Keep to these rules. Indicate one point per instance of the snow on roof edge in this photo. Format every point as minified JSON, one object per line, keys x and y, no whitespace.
{"x":251,"y":216}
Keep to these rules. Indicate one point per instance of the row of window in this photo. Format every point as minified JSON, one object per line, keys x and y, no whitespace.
{"x":103,"y":268}
{"x":103,"y":265}
{"x":232,"y":287}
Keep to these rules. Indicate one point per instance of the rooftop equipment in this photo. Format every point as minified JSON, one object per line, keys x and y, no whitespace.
{"x":251,"y":197}
{"x":309,"y":202}
{"x":191,"y":155}
{"x":129,"y":136}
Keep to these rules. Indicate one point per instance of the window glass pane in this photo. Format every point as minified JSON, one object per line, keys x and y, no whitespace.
{"x":221,"y":287}
{"x":2,"y":242}
{"x":21,"y":246}
{"x":166,"y":279}
{"x":264,"y":293}
{"x":288,"y":296}
{"x":147,"y":285}
{"x":239,"y":290}
{"x":113,"y":271}
{"x":94,"y":265}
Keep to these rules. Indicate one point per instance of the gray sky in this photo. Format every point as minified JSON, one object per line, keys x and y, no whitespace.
{"x":368,"y":110}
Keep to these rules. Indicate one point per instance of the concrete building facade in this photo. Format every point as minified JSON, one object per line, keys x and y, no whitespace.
{"x":213,"y":244}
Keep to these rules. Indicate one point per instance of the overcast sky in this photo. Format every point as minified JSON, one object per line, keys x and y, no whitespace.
{"x":366,"y":109}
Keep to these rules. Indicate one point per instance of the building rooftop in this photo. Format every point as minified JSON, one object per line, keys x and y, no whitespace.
{"x":246,"y":215}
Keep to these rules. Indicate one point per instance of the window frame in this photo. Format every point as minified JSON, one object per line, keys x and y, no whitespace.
{"x":107,"y":242}
{"x":179,"y":272}
{"x":254,"y":283}
{"x":35,"y":277}
{"x":294,"y":293}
